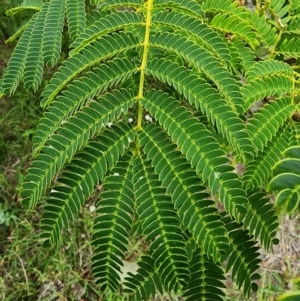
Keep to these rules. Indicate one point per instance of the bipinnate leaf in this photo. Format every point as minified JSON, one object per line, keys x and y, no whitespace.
{"x":179,"y":119}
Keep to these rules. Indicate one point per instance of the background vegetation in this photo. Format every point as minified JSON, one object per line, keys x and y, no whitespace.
{"x":29,"y":273}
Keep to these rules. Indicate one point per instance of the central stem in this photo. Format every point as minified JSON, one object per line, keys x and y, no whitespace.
{"x":144,"y":62}
{"x":258,"y":6}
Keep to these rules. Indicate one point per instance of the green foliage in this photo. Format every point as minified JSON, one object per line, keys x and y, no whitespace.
{"x":287,"y":180}
{"x":216,"y":80}
{"x":6,"y":217}
{"x":35,"y":5}
{"x":290,"y":296}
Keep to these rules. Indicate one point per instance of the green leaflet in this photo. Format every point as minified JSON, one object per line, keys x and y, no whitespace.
{"x":191,"y":7}
{"x":110,"y":4}
{"x":268,"y":86}
{"x":206,"y":275}
{"x":180,"y":182}
{"x":261,"y":219}
{"x":52,"y":34}
{"x":268,"y":120}
{"x":289,"y":48}
{"x":79,"y":178}
{"x":243,"y":257}
{"x":42,"y":42}
{"x":81,"y":94}
{"x":145,"y":283}
{"x":104,"y":26}
{"x":267,"y":68}
{"x":15,"y":68}
{"x":247,"y":25}
{"x":265,"y":32}
{"x":195,"y":142}
{"x":25,"y":5}
{"x":204,"y":62}
{"x":259,"y":172}
{"x":70,"y":138}
{"x":75,"y":13}
{"x":287,"y":180}
{"x":279,"y":8}
{"x":33,"y":68}
{"x":199,"y":93}
{"x":242,"y":56}
{"x":236,"y":26}
{"x":288,"y":199}
{"x":203,"y":34}
{"x":93,"y":54}
{"x":160,"y":225}
{"x":113,"y":224}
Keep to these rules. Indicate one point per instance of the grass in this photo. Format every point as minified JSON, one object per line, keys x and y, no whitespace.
{"x":28,"y":272}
